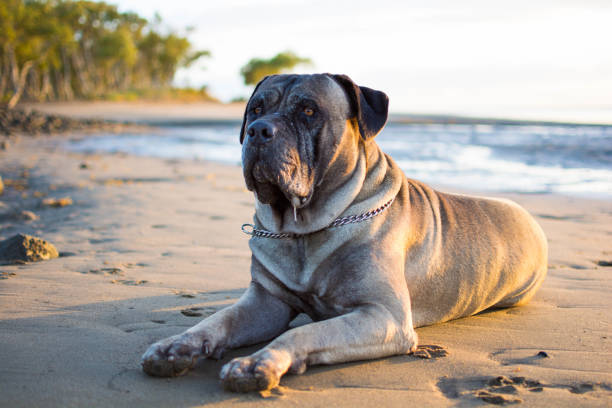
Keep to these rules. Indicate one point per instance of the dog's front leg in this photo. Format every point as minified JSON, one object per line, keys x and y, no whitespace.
{"x":369,"y":331}
{"x":257,"y":316}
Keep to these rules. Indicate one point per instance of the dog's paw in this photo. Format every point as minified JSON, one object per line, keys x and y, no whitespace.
{"x":175,"y":355}
{"x":257,"y":372}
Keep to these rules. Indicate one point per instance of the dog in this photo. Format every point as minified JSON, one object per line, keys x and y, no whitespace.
{"x":342,"y":235}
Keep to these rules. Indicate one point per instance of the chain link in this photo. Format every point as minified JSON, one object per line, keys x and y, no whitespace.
{"x":250,"y":229}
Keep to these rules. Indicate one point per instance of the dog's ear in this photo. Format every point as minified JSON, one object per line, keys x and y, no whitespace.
{"x":369,"y":106}
{"x":244,"y":118}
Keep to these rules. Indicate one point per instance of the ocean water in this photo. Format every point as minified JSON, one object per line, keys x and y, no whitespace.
{"x":575,"y":160}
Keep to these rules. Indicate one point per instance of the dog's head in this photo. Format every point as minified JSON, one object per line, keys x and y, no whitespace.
{"x":293,"y":125}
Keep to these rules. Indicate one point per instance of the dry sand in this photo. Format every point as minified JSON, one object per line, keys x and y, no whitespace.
{"x":147,"y":238}
{"x":149,"y":112}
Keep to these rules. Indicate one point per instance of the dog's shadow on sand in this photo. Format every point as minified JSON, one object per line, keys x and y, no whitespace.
{"x":96,"y":348}
{"x":64,"y":353}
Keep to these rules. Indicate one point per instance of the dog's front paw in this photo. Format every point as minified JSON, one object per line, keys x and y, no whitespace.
{"x":257,"y":372}
{"x":175,"y":355}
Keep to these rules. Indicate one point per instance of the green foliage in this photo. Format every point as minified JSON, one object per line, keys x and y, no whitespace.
{"x":256,"y":69}
{"x":161,"y":94}
{"x":65,"y":49}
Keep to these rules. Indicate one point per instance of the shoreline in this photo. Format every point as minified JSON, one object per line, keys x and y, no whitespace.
{"x":198,"y":113}
{"x":115,"y":143}
{"x":149,"y":244}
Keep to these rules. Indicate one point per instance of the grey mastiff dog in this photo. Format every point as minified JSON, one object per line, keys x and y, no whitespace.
{"x":342,"y":235}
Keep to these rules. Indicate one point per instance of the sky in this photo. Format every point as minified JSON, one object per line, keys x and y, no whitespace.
{"x":536,"y":59}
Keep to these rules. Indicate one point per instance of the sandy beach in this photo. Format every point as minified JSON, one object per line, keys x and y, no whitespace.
{"x":143,"y":112}
{"x":150,"y":246}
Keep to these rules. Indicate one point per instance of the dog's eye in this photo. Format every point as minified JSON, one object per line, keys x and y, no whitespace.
{"x":257,"y":110}
{"x":308,"y":111}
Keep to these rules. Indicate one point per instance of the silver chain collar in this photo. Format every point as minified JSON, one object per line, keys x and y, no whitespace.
{"x":250,"y":229}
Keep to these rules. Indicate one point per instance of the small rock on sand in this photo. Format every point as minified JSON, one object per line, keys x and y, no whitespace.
{"x":26,"y":248}
{"x":25,"y":215}
{"x":497,"y":399}
{"x":191,"y":312}
{"x":57,"y":202}
{"x":428,"y":351}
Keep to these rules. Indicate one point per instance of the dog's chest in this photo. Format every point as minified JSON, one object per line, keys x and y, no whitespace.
{"x":295,"y":262}
{"x":304,"y":268}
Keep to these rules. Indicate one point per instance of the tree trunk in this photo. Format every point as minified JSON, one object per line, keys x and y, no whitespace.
{"x":20,"y":85}
{"x":3,"y":77}
{"x":12,"y":67}
{"x":45,"y":88}
{"x":82,"y":74}
{"x":67,"y":82}
{"x":90,"y":67}
{"x":57,"y":85}
{"x":126,"y":81}
{"x":32,"y":85}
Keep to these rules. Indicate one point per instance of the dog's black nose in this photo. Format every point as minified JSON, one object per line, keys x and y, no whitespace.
{"x":262,"y":130}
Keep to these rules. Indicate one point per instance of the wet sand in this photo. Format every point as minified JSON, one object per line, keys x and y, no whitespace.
{"x":150,"y":246}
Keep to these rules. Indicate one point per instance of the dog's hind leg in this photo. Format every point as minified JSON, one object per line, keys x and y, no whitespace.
{"x":524,"y":294}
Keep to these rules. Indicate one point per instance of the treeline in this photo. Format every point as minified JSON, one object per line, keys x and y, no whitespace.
{"x":257,"y":68}
{"x":67,"y":49}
